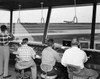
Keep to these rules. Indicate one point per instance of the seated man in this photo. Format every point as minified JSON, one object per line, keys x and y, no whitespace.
{"x":74,"y":59}
{"x":25,"y":55}
{"x":49,"y":59}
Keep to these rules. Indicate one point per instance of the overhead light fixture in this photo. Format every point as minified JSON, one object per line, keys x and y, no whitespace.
{"x":18,"y":20}
{"x":42,"y":18}
{"x":75,"y":19}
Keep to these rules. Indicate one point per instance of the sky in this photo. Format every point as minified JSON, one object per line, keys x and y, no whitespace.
{"x":58,"y":15}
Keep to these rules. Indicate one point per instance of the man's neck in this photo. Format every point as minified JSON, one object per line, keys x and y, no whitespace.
{"x":24,"y":44}
{"x":4,"y":32}
{"x":74,"y":46}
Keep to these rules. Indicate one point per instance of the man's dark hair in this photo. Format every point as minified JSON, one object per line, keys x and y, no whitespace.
{"x":25,"y":40}
{"x":75,"y":41}
{"x":50,"y":40}
{"x":3,"y":27}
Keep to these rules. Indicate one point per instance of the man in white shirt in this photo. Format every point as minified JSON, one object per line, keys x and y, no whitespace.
{"x":74,"y":59}
{"x":25,"y":55}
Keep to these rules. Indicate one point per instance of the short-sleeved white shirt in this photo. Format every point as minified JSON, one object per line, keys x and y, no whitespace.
{"x":74,"y":56}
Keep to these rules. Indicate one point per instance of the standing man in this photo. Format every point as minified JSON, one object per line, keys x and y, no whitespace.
{"x":5,"y":37}
{"x":74,"y":59}
{"x":50,"y":57}
{"x":25,"y":55}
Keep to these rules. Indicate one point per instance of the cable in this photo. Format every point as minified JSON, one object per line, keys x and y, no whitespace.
{"x":42,"y":18}
{"x":18,"y":20}
{"x":75,"y":19}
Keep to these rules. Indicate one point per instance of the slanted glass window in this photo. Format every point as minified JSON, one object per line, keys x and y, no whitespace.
{"x":97,"y":45}
{"x":63,"y":27}
{"x":4,"y":16}
{"x":30,"y":16}
{"x":30,"y":25}
{"x":84,"y":44}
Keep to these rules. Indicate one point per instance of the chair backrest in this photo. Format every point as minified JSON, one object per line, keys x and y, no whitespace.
{"x":73,"y":69}
{"x":46,"y":67}
{"x":23,"y":64}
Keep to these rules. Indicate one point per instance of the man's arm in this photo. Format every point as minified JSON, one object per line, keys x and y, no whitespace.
{"x":11,"y":37}
{"x":85,"y":57}
{"x":33,"y":53}
{"x":16,"y":52}
{"x":63,"y":60}
{"x":57,"y":56}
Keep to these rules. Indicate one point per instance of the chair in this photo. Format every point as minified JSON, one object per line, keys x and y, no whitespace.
{"x":47,"y":68}
{"x":75,"y":70}
{"x":22,"y":75}
{"x":21,"y":71}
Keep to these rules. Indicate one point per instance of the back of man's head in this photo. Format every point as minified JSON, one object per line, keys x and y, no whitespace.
{"x":50,"y":42}
{"x":75,"y":42}
{"x":3,"y":27}
{"x":25,"y":41}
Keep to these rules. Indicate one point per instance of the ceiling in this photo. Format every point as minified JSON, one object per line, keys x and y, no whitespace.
{"x":30,"y":4}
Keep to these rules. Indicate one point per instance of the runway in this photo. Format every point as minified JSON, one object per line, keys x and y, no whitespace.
{"x":56,"y":31}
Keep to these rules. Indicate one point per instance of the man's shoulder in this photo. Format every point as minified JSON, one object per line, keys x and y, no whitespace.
{"x":19,"y":48}
{"x":69,"y":49}
{"x":47,"y":48}
{"x":25,"y":47}
{"x":29,"y":47}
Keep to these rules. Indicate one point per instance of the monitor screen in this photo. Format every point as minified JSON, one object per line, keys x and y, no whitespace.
{"x":84,"y":44}
{"x":67,"y":43}
{"x":97,"y":46}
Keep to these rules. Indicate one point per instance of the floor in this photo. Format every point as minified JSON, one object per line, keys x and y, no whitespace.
{"x":13,"y":73}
